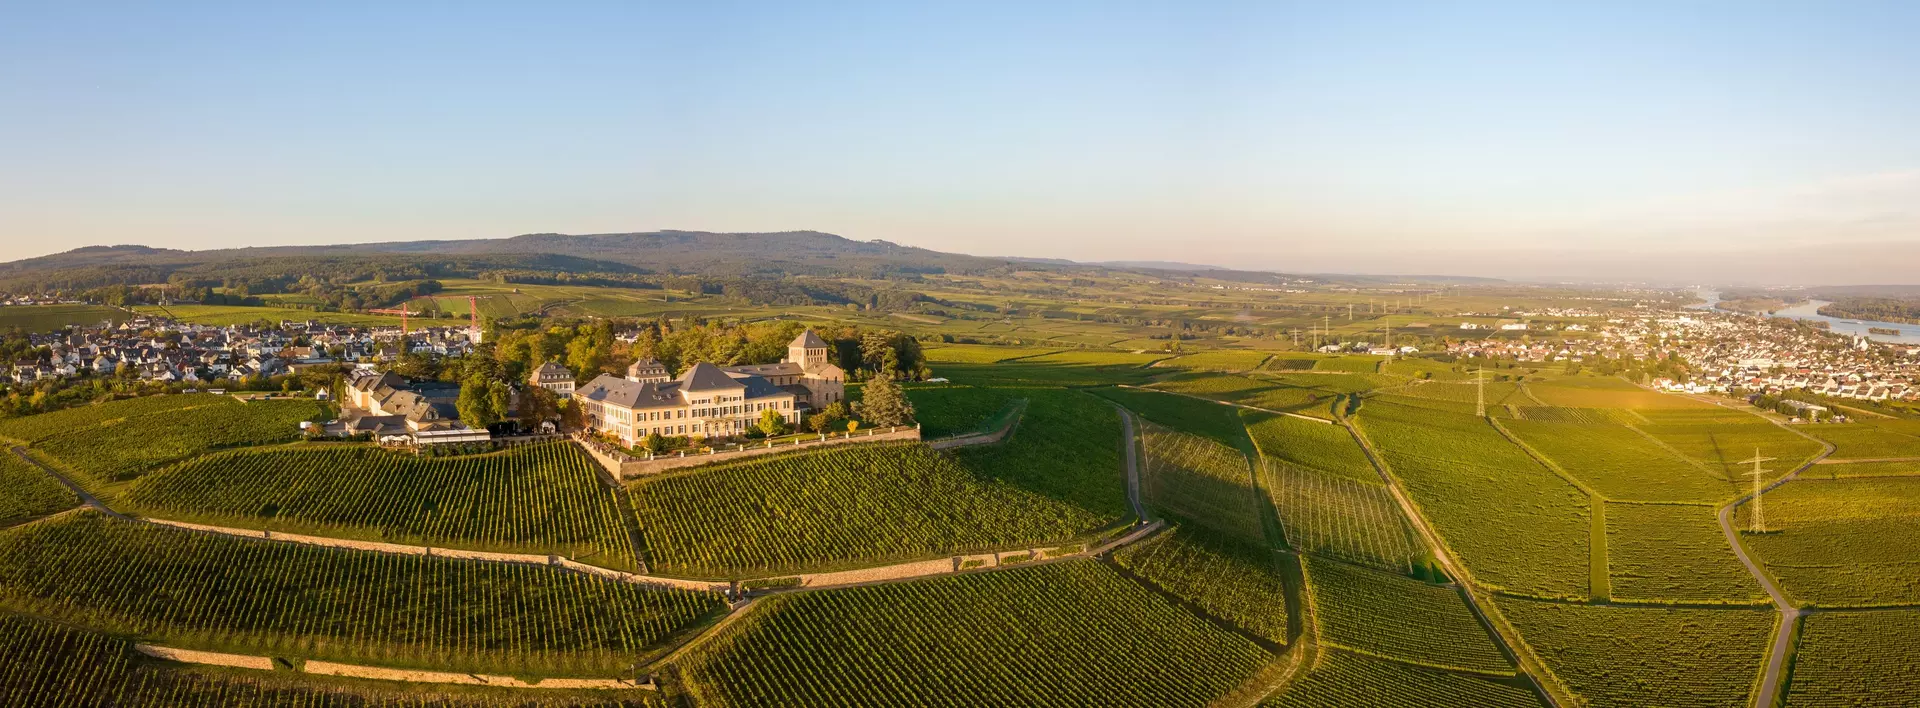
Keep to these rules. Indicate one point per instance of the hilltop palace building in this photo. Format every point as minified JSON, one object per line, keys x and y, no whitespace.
{"x":708,"y":400}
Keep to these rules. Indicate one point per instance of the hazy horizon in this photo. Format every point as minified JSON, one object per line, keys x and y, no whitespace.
{"x":1733,"y":142}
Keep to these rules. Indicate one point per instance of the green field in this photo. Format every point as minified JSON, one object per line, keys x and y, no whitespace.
{"x":1392,"y":616}
{"x":224,"y":315}
{"x":1066,"y":634}
{"x":35,"y":428}
{"x":948,"y":410}
{"x":546,"y":498}
{"x":1622,"y":464}
{"x":1201,"y":481}
{"x":48,"y":664}
{"x":227,"y":594}
{"x":1217,"y":360}
{"x":1340,"y":678}
{"x":1329,"y":448}
{"x":844,"y":506}
{"x":1848,"y":542}
{"x":121,"y":450}
{"x":47,"y":318}
{"x":1605,"y":392}
{"x":1636,"y":656}
{"x":28,"y":492}
{"x":1229,"y":579}
{"x":1857,"y":659}
{"x":1866,"y":440}
{"x":1259,"y":393}
{"x":1515,"y":524}
{"x":1187,"y":415}
{"x":1067,"y":448}
{"x":1669,"y":553}
{"x":1342,"y":518}
{"x":978,"y":353}
{"x":1722,"y":438}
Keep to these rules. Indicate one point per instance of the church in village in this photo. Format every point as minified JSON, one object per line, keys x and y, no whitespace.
{"x":708,"y":400}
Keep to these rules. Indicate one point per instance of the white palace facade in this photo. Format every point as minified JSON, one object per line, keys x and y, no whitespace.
{"x":708,"y":400}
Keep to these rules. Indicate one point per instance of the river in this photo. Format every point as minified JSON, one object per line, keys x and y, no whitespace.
{"x":1809,"y":311}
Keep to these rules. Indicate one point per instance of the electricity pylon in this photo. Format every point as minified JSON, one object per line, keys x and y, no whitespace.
{"x":1759,"y":524}
{"x":1480,"y":393}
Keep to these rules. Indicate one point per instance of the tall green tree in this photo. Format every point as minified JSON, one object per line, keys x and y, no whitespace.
{"x":476,"y":403}
{"x":882,"y":403}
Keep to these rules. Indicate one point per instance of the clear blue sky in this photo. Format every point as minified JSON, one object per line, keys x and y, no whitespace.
{"x":1495,"y":138}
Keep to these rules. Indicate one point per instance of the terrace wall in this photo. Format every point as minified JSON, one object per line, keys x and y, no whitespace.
{"x":622,"y":466}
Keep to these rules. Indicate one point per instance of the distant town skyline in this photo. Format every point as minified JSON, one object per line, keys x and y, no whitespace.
{"x":1706,"y":142}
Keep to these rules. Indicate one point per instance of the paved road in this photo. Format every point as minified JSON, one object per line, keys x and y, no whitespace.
{"x":1133,"y":466}
{"x":85,"y":498}
{"x":1446,"y":561}
{"x":1783,"y":639}
{"x":1231,"y":403}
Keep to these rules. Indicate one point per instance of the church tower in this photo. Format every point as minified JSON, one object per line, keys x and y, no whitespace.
{"x":809,"y":351}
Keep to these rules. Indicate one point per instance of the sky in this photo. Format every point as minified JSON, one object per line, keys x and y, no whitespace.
{"x":1729,"y":142}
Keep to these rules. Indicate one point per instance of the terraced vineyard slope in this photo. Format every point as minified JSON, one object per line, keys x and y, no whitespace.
{"x":1633,"y":656}
{"x":1229,"y":579}
{"x":1341,"y":678}
{"x":1066,"y":634}
{"x":1396,"y":617}
{"x":839,"y":507}
{"x":226,"y":594}
{"x":546,"y":498}
{"x":1201,"y":481}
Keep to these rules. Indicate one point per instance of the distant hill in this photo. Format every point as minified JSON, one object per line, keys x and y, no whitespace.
{"x":657,"y":252}
{"x":620,"y":255}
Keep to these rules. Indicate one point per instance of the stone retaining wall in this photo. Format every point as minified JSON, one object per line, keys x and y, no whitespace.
{"x":637,"y":467}
{"x":209,"y":658}
{"x":328,"y":668}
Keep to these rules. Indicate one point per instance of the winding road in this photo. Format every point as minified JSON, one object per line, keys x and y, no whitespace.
{"x":1789,"y":615}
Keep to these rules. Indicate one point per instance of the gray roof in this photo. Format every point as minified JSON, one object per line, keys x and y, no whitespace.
{"x":808,"y":340}
{"x":707,"y":377}
{"x":782,"y":368}
{"x":608,"y":388}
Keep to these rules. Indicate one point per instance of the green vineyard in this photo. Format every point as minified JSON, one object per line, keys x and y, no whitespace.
{"x":35,"y":428}
{"x":226,"y":594}
{"x":1516,"y":524}
{"x":1842,"y":543}
{"x":26,"y":491}
{"x":548,"y":498}
{"x":851,"y":505}
{"x":1342,"y":518}
{"x":1073,"y":633}
{"x":1201,"y":481}
{"x":46,"y":664}
{"x":1229,"y":579}
{"x":1342,"y":678}
{"x":124,"y":449}
{"x":1396,"y":617}
{"x":1674,"y":656}
{"x":1857,"y":659}
{"x":1329,"y":448}
{"x":1670,"y":553}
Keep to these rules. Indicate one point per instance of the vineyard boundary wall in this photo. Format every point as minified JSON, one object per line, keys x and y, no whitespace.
{"x":626,"y":467}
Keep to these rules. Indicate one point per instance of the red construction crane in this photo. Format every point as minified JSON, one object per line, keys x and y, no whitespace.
{"x":473,"y":316}
{"x":402,"y":312}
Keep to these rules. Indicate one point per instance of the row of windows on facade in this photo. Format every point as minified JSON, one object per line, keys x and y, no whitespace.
{"x":621,"y":415}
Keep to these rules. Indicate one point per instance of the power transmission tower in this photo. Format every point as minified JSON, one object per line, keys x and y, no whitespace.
{"x":1349,"y":312}
{"x":1324,"y":321}
{"x":1389,"y":325}
{"x":1759,"y":524}
{"x":1480,"y":393}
